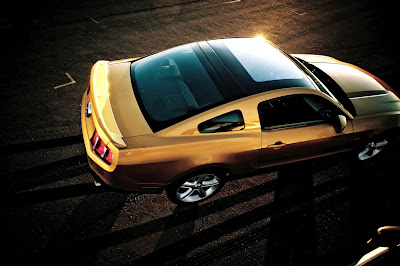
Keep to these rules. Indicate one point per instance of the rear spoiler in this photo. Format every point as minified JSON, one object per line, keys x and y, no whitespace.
{"x":101,"y":103}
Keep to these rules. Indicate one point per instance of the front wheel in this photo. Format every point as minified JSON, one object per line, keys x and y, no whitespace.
{"x":194,"y":188}
{"x":372,"y":149}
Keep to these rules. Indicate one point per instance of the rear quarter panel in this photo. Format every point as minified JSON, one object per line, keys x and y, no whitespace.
{"x":180,"y":149}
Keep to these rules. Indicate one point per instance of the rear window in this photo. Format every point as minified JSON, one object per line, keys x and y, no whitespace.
{"x":173,"y":83}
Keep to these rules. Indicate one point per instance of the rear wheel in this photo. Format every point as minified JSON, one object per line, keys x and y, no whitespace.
{"x":195,"y":188}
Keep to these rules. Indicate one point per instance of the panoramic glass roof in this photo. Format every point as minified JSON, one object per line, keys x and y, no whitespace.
{"x":180,"y":82}
{"x":262,"y":61}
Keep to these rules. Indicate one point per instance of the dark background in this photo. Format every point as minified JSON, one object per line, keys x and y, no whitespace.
{"x":316,"y":212}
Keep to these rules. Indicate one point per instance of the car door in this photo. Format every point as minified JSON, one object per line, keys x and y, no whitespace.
{"x":299,"y":127}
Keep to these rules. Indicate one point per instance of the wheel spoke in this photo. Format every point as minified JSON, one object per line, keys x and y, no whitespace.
{"x":211,"y":183}
{"x":201,"y":178}
{"x":381,"y":143}
{"x":374,"y":152}
{"x":364,"y":154}
{"x":188,"y":184}
{"x":187,"y":193}
{"x":202,"y":193}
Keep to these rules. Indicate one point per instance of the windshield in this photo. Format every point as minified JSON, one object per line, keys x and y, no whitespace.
{"x":173,"y":83}
{"x":262,"y":61}
{"x":328,"y":86}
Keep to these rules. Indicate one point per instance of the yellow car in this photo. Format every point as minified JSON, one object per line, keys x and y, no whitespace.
{"x":185,"y":118}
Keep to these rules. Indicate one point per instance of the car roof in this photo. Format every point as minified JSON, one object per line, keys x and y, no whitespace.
{"x":253,"y":65}
{"x":239,"y":67}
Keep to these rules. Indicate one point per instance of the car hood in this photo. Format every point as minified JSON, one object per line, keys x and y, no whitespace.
{"x":368,"y":93}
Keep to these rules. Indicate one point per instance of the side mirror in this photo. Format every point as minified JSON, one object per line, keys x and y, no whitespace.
{"x":340,"y":123}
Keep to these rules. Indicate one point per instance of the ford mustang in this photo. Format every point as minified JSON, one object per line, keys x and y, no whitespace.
{"x":183,"y":119}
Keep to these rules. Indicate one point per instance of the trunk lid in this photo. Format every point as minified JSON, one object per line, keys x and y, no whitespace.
{"x":114,"y":103}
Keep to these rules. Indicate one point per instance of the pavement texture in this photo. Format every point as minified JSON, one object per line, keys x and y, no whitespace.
{"x":319,"y":212}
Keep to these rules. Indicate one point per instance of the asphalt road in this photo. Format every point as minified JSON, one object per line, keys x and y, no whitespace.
{"x":319,"y":212}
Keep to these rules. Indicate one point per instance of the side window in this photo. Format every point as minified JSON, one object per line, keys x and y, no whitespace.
{"x":232,"y":121}
{"x":294,"y":111}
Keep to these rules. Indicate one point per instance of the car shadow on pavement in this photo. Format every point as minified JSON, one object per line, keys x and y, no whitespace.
{"x":169,"y":247}
{"x":87,"y":229}
{"x":52,"y":194}
{"x":174,"y":233}
{"x":292,"y":217}
{"x":42,"y":144}
{"x":46,"y":173}
{"x":95,"y":214}
{"x":292,"y":230}
{"x":374,"y":198}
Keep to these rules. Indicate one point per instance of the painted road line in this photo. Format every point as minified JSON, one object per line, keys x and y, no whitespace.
{"x":300,"y":14}
{"x":66,"y":84}
{"x":225,"y":3}
{"x":95,"y":21}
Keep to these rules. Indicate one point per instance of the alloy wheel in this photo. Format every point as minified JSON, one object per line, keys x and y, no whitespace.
{"x":198,"y":188}
{"x":372,"y":149}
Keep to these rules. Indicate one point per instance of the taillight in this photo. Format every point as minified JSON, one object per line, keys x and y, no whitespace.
{"x":95,"y":140}
{"x":109,"y":157}
{"x":101,"y":149}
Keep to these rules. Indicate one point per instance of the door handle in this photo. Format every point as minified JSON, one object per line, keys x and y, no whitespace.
{"x":277,"y":145}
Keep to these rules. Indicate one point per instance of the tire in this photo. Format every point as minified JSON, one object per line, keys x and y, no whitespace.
{"x":195,"y":187}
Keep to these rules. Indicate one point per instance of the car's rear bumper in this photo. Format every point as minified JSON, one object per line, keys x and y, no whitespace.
{"x":118,"y":179}
{"x":116,"y":176}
